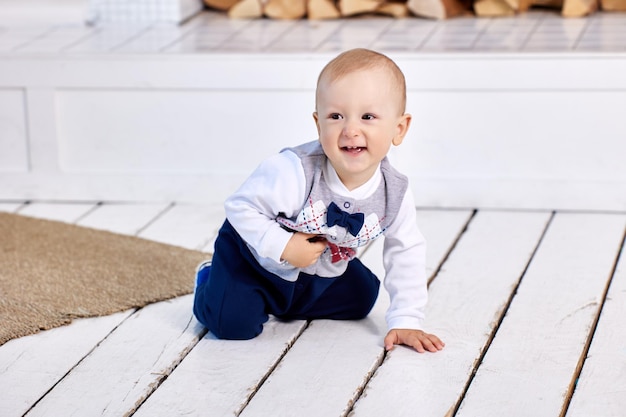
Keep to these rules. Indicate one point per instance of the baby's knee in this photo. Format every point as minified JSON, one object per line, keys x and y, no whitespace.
{"x":231,"y":321}
{"x":366,"y":298}
{"x":364,"y":306}
{"x":233,"y":327}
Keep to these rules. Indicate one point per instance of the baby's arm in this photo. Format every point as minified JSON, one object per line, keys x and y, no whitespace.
{"x":276,"y":186}
{"x":404,"y":257}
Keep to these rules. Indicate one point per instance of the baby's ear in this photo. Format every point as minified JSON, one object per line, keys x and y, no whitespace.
{"x":403,"y":127}
{"x":317,"y":121}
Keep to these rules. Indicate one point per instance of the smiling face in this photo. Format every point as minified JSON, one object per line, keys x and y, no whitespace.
{"x":359,"y":116}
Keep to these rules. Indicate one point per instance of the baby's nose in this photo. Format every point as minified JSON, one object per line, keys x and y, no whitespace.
{"x":351,"y":130}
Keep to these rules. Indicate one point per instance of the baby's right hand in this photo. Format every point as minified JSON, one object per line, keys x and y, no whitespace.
{"x":302,"y":250}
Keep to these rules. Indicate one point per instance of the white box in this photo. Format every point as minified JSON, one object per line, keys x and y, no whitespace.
{"x":168,"y":11}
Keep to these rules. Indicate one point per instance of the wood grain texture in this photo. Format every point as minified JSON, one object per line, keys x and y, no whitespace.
{"x":466,"y":301}
{"x":192,"y":226}
{"x":128,"y":365}
{"x":218,"y":377}
{"x":32,"y":365}
{"x":549,"y":320}
{"x":340,"y":364}
{"x":601,"y":387}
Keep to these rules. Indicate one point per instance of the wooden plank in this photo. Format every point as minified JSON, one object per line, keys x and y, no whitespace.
{"x":10,"y":207}
{"x":218,"y":377}
{"x":128,"y":365}
{"x":440,"y":228}
{"x":189,"y":226}
{"x":333,"y":360}
{"x":466,"y":301}
{"x":532,"y":362}
{"x":601,"y":386}
{"x":63,"y":212}
{"x":31,"y":365}
{"x":128,"y":219}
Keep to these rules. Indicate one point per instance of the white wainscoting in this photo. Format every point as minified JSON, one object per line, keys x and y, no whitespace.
{"x":524,"y":130}
{"x":13,"y":137}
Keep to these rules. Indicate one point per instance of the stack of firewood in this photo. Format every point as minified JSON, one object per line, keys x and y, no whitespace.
{"x":434,"y":9}
{"x":569,"y":8}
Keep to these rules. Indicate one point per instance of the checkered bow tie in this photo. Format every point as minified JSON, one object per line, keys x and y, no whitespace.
{"x":352,"y":222}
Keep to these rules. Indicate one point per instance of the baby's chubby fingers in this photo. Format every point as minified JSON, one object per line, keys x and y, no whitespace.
{"x":303,"y":249}
{"x":417,"y":339}
{"x":429,"y":342}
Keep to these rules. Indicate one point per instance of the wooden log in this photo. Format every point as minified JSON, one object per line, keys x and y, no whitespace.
{"x":578,"y":8}
{"x":246,"y":9}
{"x":221,"y":4}
{"x":322,"y":9}
{"x":397,"y":10}
{"x":437,"y":9}
{"x":352,"y":7}
{"x":285,"y":9}
{"x":557,"y":4}
{"x":519,"y":6}
{"x":493,"y":8}
{"x":613,"y":5}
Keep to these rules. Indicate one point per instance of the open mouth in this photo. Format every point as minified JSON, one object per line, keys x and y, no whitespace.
{"x":353,"y":149}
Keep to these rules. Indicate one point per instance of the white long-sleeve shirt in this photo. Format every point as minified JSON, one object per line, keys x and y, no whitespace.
{"x":278,"y":188}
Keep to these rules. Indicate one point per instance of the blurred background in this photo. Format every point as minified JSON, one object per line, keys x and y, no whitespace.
{"x":515,"y":104}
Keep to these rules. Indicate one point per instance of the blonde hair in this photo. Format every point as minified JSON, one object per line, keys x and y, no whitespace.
{"x":362,"y":59}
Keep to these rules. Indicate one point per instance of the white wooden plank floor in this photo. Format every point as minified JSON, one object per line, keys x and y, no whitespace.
{"x":530,"y":305}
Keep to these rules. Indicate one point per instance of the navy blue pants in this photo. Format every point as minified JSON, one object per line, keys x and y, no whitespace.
{"x":237,"y":296}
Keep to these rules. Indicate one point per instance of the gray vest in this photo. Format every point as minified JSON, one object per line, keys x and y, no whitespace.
{"x":380,"y":210}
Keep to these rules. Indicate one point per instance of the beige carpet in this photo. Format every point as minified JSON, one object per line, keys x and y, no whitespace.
{"x":52,"y":272}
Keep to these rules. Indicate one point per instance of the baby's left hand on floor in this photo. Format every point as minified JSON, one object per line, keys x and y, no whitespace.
{"x":418,"y":339}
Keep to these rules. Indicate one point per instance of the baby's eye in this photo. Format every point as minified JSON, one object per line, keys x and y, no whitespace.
{"x":335,"y":116}
{"x":368,"y":116}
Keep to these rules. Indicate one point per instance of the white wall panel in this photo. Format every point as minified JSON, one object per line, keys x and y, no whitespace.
{"x":505,"y":130}
{"x":512,"y":135}
{"x":13,"y":137}
{"x":178,"y":132}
